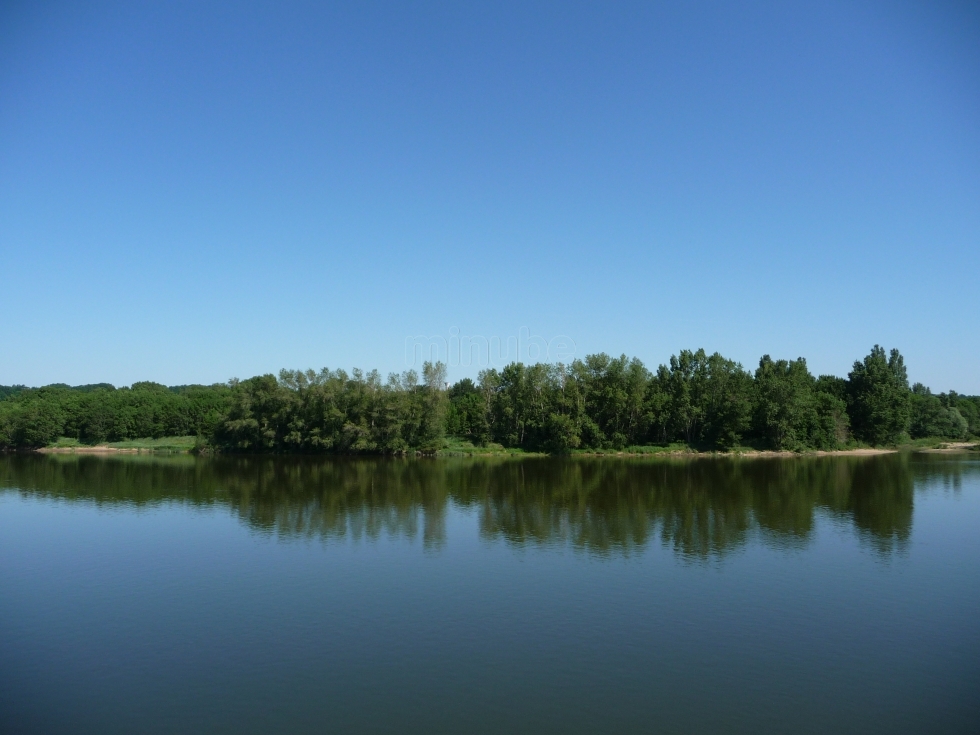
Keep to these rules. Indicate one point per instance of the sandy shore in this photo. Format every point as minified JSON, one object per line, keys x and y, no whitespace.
{"x":758,"y":453}
{"x":88,"y":450}
{"x":951,"y":447}
{"x":819,"y":453}
{"x":750,"y":453}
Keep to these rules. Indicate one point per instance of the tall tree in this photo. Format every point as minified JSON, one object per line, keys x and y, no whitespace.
{"x":784,"y":409}
{"x":686,"y":386}
{"x":879,"y":399}
{"x":728,"y":393}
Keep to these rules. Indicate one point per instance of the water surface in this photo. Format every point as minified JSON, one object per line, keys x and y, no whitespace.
{"x":174,"y":594}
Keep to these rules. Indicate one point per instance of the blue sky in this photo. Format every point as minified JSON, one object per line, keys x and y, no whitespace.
{"x":192,"y":192}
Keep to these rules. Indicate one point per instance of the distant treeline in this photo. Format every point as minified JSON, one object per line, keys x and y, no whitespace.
{"x":704,"y":401}
{"x":35,"y":417}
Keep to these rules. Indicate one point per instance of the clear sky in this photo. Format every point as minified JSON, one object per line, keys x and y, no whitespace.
{"x":191,"y":192}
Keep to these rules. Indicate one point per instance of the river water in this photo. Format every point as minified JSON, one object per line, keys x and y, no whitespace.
{"x":149,"y":594}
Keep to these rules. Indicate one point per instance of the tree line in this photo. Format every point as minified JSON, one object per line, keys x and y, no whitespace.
{"x":92,"y":414}
{"x":704,"y":401}
{"x":602,"y":402}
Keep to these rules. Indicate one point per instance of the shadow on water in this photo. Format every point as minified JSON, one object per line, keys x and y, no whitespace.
{"x":701,"y":508}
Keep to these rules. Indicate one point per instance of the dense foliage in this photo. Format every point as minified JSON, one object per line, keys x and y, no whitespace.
{"x":94,"y":414}
{"x":698,"y":399}
{"x":9,"y":390}
{"x":332,"y":411}
{"x":601,"y":402}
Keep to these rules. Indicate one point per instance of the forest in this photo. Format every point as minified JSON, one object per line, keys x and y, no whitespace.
{"x":701,"y":401}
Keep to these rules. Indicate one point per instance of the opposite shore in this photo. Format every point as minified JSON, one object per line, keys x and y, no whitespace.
{"x":651,"y":452}
{"x":601,"y":405}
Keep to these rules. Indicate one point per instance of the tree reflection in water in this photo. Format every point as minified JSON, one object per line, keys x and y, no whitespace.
{"x":700,"y":508}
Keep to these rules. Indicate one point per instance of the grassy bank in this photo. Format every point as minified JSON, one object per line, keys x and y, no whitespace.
{"x":453,"y":447}
{"x":163,"y":444}
{"x":169,"y":444}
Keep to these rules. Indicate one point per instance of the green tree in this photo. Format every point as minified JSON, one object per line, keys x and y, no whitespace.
{"x":930,"y":417}
{"x":879,"y":399}
{"x":784,"y":406}
{"x":38,"y":422}
{"x":464,"y":414}
{"x":433,"y":423}
{"x":686,"y":382}
{"x":612,"y":392}
{"x":728,"y":395}
{"x":253,"y":420}
{"x":657,"y":407}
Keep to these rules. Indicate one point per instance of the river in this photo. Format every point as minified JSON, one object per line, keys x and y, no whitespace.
{"x":166,"y":594}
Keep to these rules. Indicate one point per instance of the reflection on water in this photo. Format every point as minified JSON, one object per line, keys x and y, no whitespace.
{"x":700,"y":508}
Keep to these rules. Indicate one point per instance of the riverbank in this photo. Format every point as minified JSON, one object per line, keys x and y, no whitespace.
{"x":87,"y":450}
{"x":166,"y":444}
{"x":184,"y":445}
{"x":952,"y":447}
{"x":746,"y":453}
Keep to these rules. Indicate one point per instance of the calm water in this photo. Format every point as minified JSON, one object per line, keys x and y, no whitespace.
{"x":166,"y":595}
